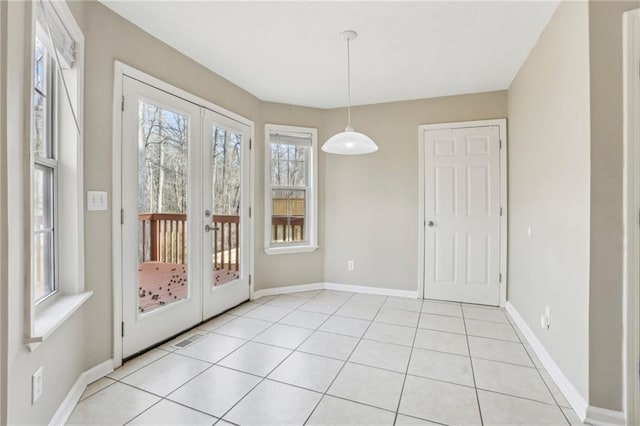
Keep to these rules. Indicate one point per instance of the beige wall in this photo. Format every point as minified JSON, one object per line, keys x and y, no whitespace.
{"x":371,"y":201}
{"x":605,"y":307}
{"x":62,"y":354}
{"x":549,"y":190}
{"x":369,"y":205}
{"x":108,"y":38}
{"x":3,"y":215}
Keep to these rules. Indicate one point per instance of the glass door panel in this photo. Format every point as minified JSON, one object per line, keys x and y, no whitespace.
{"x":162,"y":206}
{"x":225,"y":197}
{"x":161,"y":186}
{"x":226,"y":184}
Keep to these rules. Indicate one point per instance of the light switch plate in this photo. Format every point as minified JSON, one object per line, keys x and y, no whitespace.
{"x":97,"y":201}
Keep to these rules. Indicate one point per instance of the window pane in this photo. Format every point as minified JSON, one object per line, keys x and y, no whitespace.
{"x":288,"y":215}
{"x":39,"y":67}
{"x":289,"y":165}
{"x":42,"y":99}
{"x":39,"y":125}
{"x":226,"y":173}
{"x":43,"y":269}
{"x":42,"y":198}
{"x":162,"y":207}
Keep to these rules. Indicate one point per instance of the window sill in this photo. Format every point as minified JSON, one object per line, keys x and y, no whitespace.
{"x":54,"y":315}
{"x":290,"y":249}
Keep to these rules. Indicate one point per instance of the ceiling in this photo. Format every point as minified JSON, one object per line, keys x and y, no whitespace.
{"x":291,"y":52}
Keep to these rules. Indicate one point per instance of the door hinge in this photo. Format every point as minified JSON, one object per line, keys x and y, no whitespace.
{"x":121,"y":216}
{"x":500,"y":211}
{"x":501,"y":144}
{"x":122,"y":103}
{"x":249,"y":280}
{"x":500,"y":277}
{"x":122,"y":328}
{"x":249,"y":211}
{"x":250,"y":143}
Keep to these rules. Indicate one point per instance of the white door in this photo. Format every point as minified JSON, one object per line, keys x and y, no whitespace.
{"x":185,"y":231}
{"x":225,"y":201}
{"x":462,"y":213}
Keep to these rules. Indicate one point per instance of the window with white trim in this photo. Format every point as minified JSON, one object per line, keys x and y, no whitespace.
{"x":291,"y":206}
{"x":44,"y":176}
{"x":55,"y":180}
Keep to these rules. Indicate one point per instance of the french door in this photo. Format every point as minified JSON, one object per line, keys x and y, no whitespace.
{"x":185,"y":227}
{"x":462,"y":214}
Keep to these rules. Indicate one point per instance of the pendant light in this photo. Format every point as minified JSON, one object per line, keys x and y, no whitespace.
{"x":349,"y":142}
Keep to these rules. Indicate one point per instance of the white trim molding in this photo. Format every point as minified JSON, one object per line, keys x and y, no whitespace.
{"x":310,"y":236}
{"x":631,"y":208}
{"x":334,"y":286}
{"x":586,"y":413}
{"x":65,"y":409}
{"x":286,"y":290}
{"x":502,"y":124}
{"x":574,"y":397}
{"x":603,"y":417}
{"x":120,"y":71}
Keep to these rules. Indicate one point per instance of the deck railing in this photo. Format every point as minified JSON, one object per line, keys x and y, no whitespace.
{"x":287,"y":228}
{"x":163,"y":238}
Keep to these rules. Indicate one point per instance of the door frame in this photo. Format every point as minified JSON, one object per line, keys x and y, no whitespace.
{"x":631,"y":209}
{"x":120,"y":71}
{"x":502,"y":124}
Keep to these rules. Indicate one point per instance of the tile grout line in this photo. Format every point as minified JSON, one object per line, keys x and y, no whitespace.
{"x":406,"y":371}
{"x":345,"y":363}
{"x":278,"y":365}
{"x":197,"y":359}
{"x":540,"y":375}
{"x":313,"y":331}
{"x":473,"y":373}
{"x":233,"y":351}
{"x":207,"y":332}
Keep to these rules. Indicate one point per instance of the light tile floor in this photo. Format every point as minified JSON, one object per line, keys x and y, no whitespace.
{"x":336,"y":358}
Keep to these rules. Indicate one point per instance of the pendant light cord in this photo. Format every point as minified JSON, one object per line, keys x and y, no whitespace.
{"x":348,"y":84}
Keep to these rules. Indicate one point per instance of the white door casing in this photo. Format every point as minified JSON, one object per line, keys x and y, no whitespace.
{"x":462,"y":213}
{"x":631,"y":206}
{"x":122,"y":182}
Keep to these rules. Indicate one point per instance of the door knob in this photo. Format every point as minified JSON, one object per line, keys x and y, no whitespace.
{"x":430,"y":223}
{"x":209,"y":228}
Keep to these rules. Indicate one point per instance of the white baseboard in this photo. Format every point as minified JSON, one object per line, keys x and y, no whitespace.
{"x":69,"y":403}
{"x":586,"y":413}
{"x":603,"y":417}
{"x":285,"y":290}
{"x":574,"y":397}
{"x":371,"y":290}
{"x":334,"y":286}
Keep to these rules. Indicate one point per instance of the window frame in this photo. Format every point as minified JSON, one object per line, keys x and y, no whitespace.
{"x":311,"y":205}
{"x":49,"y":162}
{"x":42,"y":319}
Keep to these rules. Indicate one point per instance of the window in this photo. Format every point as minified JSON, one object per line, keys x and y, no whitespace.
{"x":291,"y":197}
{"x":56,"y":227}
{"x":44,"y":175}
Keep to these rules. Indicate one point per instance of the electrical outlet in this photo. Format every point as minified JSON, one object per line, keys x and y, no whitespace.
{"x":545,"y":320}
{"x":351,"y":265}
{"x":547,"y":314}
{"x":36,"y":385}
